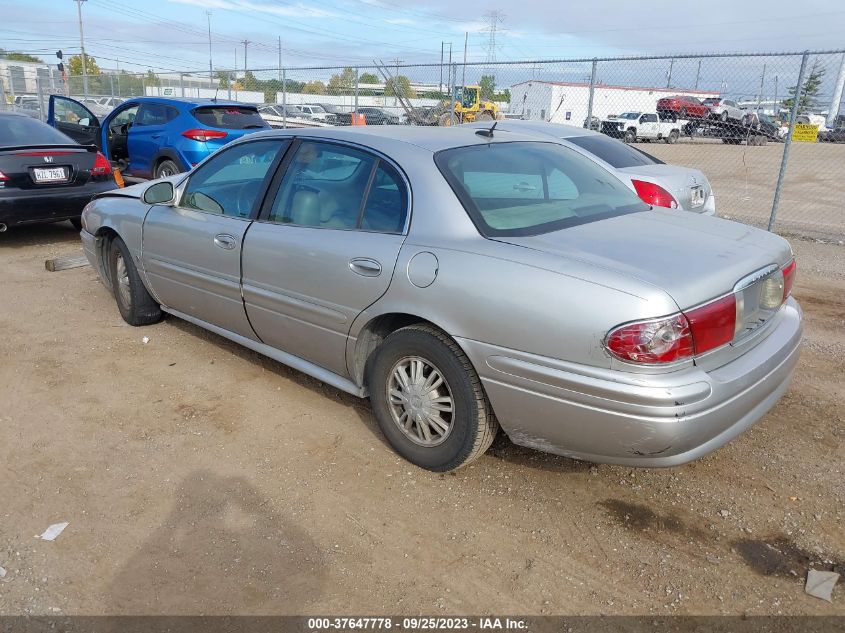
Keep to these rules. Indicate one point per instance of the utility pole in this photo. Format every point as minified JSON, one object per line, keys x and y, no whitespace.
{"x":836,"y":102}
{"x":777,"y":105}
{"x":280,"y":58}
{"x":464,"y":71}
{"x":440,"y":85}
{"x":210,"y":67}
{"x":669,"y":74}
{"x":697,"y":74}
{"x":245,"y":43}
{"x":762,"y":81}
{"x":494,"y":19}
{"x":396,"y":62}
{"x":82,"y":46}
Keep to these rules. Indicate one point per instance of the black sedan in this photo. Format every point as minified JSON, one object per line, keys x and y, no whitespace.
{"x":377,"y":116}
{"x":46,"y":176}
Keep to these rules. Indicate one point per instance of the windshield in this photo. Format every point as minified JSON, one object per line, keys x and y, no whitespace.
{"x":24,"y":130}
{"x":525,"y":188}
{"x":629,"y":115}
{"x":230,"y":117}
{"x":615,"y":153}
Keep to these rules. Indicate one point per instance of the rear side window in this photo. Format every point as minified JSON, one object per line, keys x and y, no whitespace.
{"x":155,"y":114}
{"x":518,"y":189}
{"x":230,"y":117}
{"x":615,"y":153}
{"x":24,"y":130}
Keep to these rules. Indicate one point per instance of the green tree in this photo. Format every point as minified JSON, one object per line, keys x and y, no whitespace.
{"x":368,"y":78}
{"x":151,"y":79}
{"x":343,"y":82}
{"x":314,"y":88}
{"x":75,"y":65}
{"x":812,"y":85}
{"x":400,"y":86}
{"x":488,"y":87}
{"x":251,"y":82}
{"x":224,"y":78}
{"x":20,"y":57}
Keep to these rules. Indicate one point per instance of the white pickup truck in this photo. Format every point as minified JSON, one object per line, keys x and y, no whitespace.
{"x":631,"y":126}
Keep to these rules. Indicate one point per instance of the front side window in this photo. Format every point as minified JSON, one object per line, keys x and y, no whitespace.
{"x":338,"y":187}
{"x":67,"y":111}
{"x":125,"y":116}
{"x":229,"y":183}
{"x":519,"y":188}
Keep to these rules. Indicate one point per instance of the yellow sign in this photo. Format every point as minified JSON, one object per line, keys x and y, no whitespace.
{"x":805,"y":133}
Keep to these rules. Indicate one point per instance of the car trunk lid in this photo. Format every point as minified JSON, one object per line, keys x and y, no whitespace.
{"x":688,"y":186}
{"x":33,"y":167}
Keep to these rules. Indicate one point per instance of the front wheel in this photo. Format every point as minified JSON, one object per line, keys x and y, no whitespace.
{"x":167,"y":168}
{"x":136,"y":305}
{"x":630,"y":136}
{"x":428,"y":400}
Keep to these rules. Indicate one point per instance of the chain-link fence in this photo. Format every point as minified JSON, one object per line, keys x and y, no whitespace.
{"x":765,"y":129}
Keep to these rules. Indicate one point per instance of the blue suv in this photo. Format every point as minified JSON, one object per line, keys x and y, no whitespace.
{"x":154,"y":137}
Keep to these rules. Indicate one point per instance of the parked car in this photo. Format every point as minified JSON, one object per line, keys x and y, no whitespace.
{"x":835,"y":135}
{"x":342,"y":116}
{"x":46,"y":176}
{"x":756,"y":129}
{"x":377,"y":116}
{"x":284,"y":116}
{"x":655,"y":182}
{"x":593,"y":123}
{"x":317,"y":112}
{"x":110,"y":102}
{"x":683,"y":107}
{"x":154,"y":137}
{"x":633,"y":126}
{"x":526,"y":287}
{"x":724,"y":109}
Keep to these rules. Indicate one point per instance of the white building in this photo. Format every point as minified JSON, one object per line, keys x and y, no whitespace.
{"x":563,"y":102}
{"x":23,"y":77}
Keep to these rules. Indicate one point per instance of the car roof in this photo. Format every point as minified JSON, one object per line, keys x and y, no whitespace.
{"x":558,"y":130}
{"x":433,"y":139}
{"x":190,"y":102}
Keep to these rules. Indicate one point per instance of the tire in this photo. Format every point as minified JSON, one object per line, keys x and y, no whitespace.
{"x":485,"y":116}
{"x":166,"y":168}
{"x":673,"y":137}
{"x":466,"y":431}
{"x":135,"y":304}
{"x":445,"y":120}
{"x":77,"y":223}
{"x":682,"y":113}
{"x":724,"y":117}
{"x":630,"y":136}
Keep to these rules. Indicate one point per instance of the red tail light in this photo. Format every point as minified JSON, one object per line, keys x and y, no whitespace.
{"x":202,"y":136}
{"x":675,"y":337}
{"x":653,"y":194}
{"x":102,"y":167}
{"x":3,"y":176}
{"x":788,"y":278}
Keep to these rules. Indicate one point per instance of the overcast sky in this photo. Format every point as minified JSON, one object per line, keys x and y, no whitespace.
{"x":172,"y":34}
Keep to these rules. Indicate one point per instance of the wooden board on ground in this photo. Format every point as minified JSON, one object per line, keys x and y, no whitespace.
{"x":63,"y":263}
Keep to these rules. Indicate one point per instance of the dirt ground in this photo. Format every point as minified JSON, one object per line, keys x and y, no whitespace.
{"x":198,"y":477}
{"x":744,"y":179}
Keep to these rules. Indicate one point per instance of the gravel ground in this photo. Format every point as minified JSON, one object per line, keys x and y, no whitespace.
{"x":198,"y":477}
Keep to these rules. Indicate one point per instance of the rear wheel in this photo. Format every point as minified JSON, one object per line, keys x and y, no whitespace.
{"x":136,"y":305}
{"x":673,"y":137}
{"x":445,"y":120}
{"x":166,"y":168}
{"x":724,"y":116}
{"x":428,"y":400}
{"x":486,"y":116}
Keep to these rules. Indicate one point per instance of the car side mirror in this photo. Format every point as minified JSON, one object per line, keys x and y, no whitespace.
{"x":85,"y":122}
{"x":159,"y":193}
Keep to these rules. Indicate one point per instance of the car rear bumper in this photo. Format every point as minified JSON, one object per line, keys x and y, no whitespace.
{"x":636,"y":419}
{"x":48,"y":205}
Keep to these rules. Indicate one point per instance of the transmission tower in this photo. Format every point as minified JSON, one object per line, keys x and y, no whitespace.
{"x":494,"y":20}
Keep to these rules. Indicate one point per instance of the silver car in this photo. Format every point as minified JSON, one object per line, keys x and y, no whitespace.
{"x":655,"y":182}
{"x":465,"y":280}
{"x":724,"y":109}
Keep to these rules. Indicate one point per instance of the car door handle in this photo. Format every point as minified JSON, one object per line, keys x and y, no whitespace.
{"x":225,"y":241}
{"x":365,"y":267}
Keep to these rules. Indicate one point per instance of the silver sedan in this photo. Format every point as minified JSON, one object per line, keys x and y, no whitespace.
{"x":655,"y":182}
{"x":465,"y":280}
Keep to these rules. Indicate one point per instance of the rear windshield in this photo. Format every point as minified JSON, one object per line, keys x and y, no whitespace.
{"x":517,"y":189}
{"x":24,"y":130}
{"x":230,"y":117}
{"x":615,"y":153}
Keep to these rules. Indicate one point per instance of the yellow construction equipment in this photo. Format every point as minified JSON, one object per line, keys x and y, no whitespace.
{"x":469,"y":107}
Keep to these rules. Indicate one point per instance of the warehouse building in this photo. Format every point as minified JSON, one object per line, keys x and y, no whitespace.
{"x":564,"y":102}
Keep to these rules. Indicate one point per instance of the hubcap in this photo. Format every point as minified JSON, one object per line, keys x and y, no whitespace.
{"x":122,"y":281}
{"x":420,"y":401}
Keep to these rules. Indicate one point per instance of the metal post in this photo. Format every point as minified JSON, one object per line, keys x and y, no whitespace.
{"x":12,"y":88}
{"x":453,"y":75}
{"x":440,"y":85}
{"x":356,"y":90}
{"x":697,"y":74}
{"x":210,"y":67}
{"x":787,"y":142}
{"x":669,"y":74}
{"x":2,"y":95}
{"x":284,"y":98}
{"x":464,"y":72}
{"x":40,"y":99}
{"x":588,"y":124}
{"x":111,"y":83}
{"x":762,"y":81}
{"x":82,"y":46}
{"x":182,"y":83}
{"x":777,"y":103}
{"x":280,"y":58}
{"x":836,"y":102}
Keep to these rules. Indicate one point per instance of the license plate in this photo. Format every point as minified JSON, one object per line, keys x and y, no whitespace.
{"x":50,"y":174}
{"x":697,"y":197}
